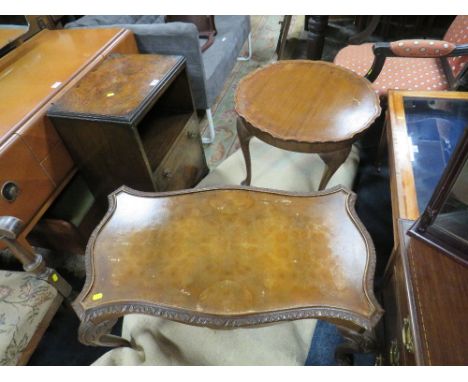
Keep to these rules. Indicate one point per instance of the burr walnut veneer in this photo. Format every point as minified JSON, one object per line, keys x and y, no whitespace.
{"x":270,"y":256}
{"x":132,"y":121}
{"x":35,"y":166}
{"x":305,"y":106}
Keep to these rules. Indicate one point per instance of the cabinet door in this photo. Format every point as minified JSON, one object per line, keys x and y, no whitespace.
{"x":185,"y":164}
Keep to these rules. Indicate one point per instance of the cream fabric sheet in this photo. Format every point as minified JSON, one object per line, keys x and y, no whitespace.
{"x":157,"y":341}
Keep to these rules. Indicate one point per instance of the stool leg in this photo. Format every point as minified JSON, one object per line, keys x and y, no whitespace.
{"x":244,"y":139}
{"x":333,"y":160}
{"x":98,"y":334}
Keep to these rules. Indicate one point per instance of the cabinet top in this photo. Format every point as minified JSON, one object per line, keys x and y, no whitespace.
{"x":120,"y":88}
{"x":32,"y":74}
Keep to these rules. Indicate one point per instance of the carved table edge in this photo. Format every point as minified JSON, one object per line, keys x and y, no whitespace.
{"x":112,"y":311}
{"x":372,"y":118}
{"x":95,"y":316}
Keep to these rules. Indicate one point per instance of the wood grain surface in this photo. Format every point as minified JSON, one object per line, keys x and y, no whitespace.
{"x":307,"y":101}
{"x":441,"y":294}
{"x":266,"y":251}
{"x":48,"y":61}
{"x":118,"y":86}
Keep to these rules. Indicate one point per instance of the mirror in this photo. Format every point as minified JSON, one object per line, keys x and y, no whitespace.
{"x":444,"y":223}
{"x":12,"y":28}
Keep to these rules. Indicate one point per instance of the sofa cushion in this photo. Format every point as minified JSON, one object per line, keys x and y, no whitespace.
{"x":397,"y":73}
{"x":26,"y":306}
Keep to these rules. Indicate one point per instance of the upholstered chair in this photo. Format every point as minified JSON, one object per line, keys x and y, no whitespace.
{"x":412,"y":64}
{"x":28,"y":300}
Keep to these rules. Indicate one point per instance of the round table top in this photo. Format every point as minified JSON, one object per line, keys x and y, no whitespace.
{"x":307,"y":101}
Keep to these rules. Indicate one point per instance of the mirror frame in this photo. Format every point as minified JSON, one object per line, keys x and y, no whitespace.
{"x":421,"y":229}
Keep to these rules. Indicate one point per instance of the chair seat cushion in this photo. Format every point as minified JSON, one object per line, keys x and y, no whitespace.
{"x":26,"y":304}
{"x":398,"y":72}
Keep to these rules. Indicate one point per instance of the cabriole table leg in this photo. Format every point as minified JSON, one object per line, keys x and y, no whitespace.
{"x":244,"y":139}
{"x":98,"y":334}
{"x":354,"y":343}
{"x":333,"y":160}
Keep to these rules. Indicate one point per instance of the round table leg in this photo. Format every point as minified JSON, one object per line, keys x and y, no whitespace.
{"x":333,"y":160}
{"x":244,"y":139}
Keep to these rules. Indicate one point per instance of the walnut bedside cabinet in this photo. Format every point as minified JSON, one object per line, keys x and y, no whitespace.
{"x":132,"y":121}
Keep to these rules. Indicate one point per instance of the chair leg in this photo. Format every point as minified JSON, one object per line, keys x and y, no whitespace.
{"x":211,"y":129}
{"x":247,"y":58}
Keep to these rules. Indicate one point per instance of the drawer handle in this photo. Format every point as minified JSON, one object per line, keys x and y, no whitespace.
{"x":394,"y":354}
{"x":10,"y":191}
{"x":192,"y":134}
{"x":167,"y":174}
{"x":407,"y":336}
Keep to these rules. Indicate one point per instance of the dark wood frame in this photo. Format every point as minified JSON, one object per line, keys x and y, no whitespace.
{"x":422,"y":229}
{"x":97,"y":322}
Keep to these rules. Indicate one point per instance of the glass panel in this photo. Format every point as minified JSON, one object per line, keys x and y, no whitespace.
{"x":453,"y":217}
{"x":434,"y":127}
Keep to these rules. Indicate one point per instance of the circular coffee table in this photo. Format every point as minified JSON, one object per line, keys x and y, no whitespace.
{"x":305,"y":106}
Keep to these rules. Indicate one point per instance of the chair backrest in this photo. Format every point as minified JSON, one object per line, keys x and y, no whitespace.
{"x":457,"y":34}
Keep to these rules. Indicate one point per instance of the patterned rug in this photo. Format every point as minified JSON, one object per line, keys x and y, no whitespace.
{"x":265,"y":32}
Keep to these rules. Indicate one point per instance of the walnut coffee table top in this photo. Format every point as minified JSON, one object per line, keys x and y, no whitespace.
{"x":229,"y":257}
{"x":307,"y":101}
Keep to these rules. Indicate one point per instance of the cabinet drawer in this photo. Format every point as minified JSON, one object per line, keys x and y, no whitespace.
{"x":185,"y":164}
{"x":20,"y":172}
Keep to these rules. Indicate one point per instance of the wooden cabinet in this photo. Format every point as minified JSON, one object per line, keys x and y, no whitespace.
{"x":425,"y":293}
{"x":132,"y":122}
{"x":32,"y":154}
{"x":426,"y":299}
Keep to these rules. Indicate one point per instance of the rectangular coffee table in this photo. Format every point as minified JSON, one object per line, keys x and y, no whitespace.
{"x":229,"y":257}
